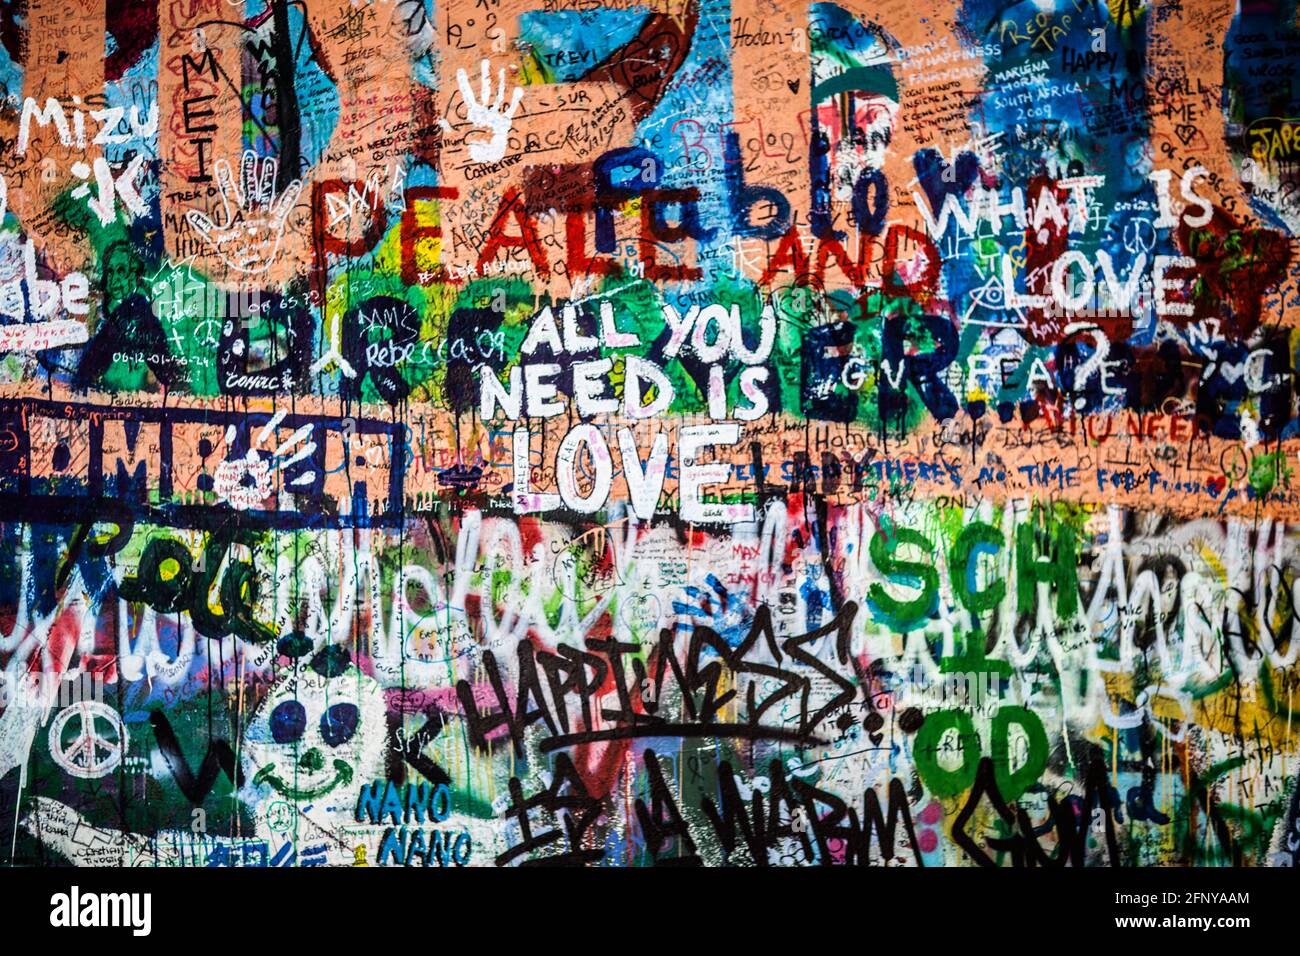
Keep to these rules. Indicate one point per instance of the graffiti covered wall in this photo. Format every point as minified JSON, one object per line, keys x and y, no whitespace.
{"x":498,"y":432}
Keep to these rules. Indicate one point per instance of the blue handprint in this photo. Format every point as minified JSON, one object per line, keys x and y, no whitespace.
{"x":728,"y":614}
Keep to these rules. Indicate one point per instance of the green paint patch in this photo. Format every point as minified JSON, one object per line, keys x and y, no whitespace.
{"x":1268,"y":471}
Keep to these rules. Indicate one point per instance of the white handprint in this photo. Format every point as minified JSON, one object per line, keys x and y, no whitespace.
{"x":250,"y":237}
{"x":248,"y":482}
{"x":491,"y":118}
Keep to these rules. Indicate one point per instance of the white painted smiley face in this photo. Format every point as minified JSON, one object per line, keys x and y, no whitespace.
{"x":321,"y":728}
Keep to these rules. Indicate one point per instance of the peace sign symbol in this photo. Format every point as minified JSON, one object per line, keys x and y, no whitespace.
{"x":98,"y":743}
